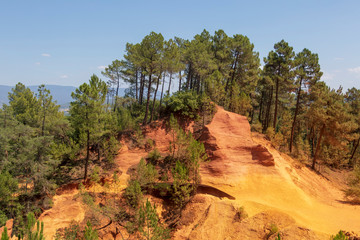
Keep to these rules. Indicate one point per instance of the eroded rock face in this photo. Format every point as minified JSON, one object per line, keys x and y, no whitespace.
{"x":262,"y":155}
{"x":230,"y":148}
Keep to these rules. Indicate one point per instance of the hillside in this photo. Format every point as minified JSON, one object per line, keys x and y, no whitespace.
{"x":272,"y":190}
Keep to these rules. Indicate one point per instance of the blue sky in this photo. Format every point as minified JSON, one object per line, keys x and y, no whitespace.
{"x":65,"y":42}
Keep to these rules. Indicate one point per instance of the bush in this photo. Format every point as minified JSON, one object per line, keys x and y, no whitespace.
{"x":354,"y":185}
{"x":3,"y":218}
{"x":340,"y":236}
{"x":181,"y":188}
{"x":270,"y":133}
{"x":146,"y":173}
{"x":256,"y":127}
{"x":149,"y":225}
{"x":69,"y":233}
{"x":133,"y":193}
{"x":90,"y":233}
{"x":272,"y":230}
{"x":154,"y":156}
{"x":240,"y":214}
{"x":184,"y":103}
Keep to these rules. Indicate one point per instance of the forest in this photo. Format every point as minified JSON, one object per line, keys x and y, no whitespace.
{"x":174,"y":80}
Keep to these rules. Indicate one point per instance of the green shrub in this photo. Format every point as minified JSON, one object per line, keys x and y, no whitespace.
{"x":69,"y":233}
{"x":256,"y":127}
{"x":149,"y":226}
{"x":240,"y":214}
{"x":272,"y":230}
{"x":181,"y":188}
{"x":146,"y":173}
{"x":4,"y":235}
{"x":354,"y":185}
{"x":32,"y":233}
{"x":133,"y":193}
{"x":154,"y":156}
{"x":183,"y":103}
{"x":3,"y":218}
{"x":270,"y":133}
{"x":90,"y":233}
{"x":339,"y":236}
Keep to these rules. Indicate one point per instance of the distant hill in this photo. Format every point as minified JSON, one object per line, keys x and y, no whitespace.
{"x":62,"y":94}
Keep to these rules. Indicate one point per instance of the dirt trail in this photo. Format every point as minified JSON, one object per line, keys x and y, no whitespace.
{"x":311,"y":200}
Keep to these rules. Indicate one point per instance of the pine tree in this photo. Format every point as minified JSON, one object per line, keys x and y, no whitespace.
{"x":149,"y":225}
{"x":87,"y":113}
{"x":115,"y":73}
{"x":150,"y":57}
{"x":307,"y":74}
{"x":279,"y":67}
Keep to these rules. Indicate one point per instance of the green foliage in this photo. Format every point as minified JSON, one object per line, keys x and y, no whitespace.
{"x":339,"y":236}
{"x":133,"y":193}
{"x":146,"y":174}
{"x":354,"y":185}
{"x":90,"y":233}
{"x":181,"y":188}
{"x":272,"y":230}
{"x":240,"y":214}
{"x":88,"y":114}
{"x":149,"y":226}
{"x":124,"y":117}
{"x":4,"y":235}
{"x":69,"y":233}
{"x":256,"y":127}
{"x":184,"y":103}
{"x":3,"y":218}
{"x":8,"y":186}
{"x":29,"y":232}
{"x":270,"y":133}
{"x":154,"y":156}
{"x":73,"y":232}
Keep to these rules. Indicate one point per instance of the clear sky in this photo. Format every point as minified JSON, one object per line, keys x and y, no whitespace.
{"x":65,"y":42}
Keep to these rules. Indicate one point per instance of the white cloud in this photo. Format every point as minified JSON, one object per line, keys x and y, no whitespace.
{"x":64,"y":76}
{"x":339,"y":59}
{"x":354,"y":70}
{"x":45,"y":55}
{"x":101,"y":67}
{"x":327,"y":76}
{"x":37,"y":63}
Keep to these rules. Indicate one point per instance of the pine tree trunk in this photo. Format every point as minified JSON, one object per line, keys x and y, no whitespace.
{"x":169,"y":83}
{"x":318,"y":146}
{"x":267,"y":117}
{"x":162,"y":92}
{"x":179,"y":80}
{"x":147,"y":100}
{"x":261,"y":106}
{"x":153,"y":107}
{"x":43,"y":125}
{"x":188,"y":79}
{"x":276,"y":102}
{"x":142,"y":80}
{"x":294,"y":121}
{"x":354,"y":151}
{"x":136,"y":85}
{"x":87,"y":154}
{"x":117,"y":92}
{"x":233,"y":67}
